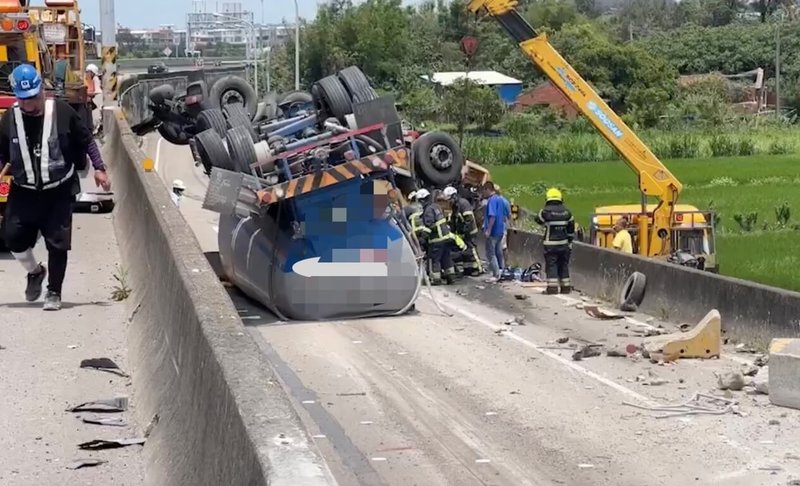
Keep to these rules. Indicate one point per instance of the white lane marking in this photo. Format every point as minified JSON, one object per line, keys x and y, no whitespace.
{"x":158,"y":154}
{"x":482,"y":461}
{"x":569,"y":364}
{"x":366,"y":422}
{"x":319,"y":436}
{"x":308,"y":402}
{"x":378,"y":459}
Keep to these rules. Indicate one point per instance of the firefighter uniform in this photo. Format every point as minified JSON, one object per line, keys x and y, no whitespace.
{"x":559,"y":232}
{"x":462,"y":221}
{"x":439,"y":243}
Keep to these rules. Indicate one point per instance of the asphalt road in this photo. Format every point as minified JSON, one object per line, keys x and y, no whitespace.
{"x":464,"y":399}
{"x":40,"y":354}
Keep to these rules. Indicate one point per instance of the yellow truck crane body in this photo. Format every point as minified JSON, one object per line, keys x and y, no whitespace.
{"x":655,"y":226}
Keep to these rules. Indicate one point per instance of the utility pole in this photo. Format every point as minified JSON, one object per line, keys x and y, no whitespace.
{"x":778,"y":68}
{"x":108,"y":25}
{"x":296,"y":47}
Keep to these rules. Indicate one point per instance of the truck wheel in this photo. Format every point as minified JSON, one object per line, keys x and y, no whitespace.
{"x":438,"y":157}
{"x":213,"y":118}
{"x":632,"y":293}
{"x":173,"y":134}
{"x":237,"y":117}
{"x":357,"y":85}
{"x":212,"y":152}
{"x":331,"y":99}
{"x":243,"y":152}
{"x":231,"y":90}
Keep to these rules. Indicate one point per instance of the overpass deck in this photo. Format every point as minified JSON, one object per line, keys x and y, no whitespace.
{"x":430,"y":399}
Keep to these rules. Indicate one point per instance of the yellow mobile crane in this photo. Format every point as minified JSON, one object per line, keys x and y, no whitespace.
{"x":656,"y":231}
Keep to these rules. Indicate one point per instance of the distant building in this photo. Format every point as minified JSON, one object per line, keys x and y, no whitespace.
{"x":507,"y":87}
{"x":546,"y":94}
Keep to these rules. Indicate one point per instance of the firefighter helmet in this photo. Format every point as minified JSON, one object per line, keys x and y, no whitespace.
{"x":553,"y":194}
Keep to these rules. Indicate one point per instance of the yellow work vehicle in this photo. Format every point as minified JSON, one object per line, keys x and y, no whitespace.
{"x":656,"y":229}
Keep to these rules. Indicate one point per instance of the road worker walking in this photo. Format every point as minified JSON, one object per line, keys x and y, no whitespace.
{"x":441,"y":265}
{"x":43,"y":140}
{"x":462,"y":223}
{"x":559,"y":233}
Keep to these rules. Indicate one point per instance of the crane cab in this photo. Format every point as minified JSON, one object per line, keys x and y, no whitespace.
{"x":692,"y":232}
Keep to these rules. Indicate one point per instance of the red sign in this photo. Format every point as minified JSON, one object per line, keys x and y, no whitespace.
{"x":469,"y":46}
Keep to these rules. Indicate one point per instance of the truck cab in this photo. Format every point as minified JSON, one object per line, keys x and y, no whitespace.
{"x":692,"y":232}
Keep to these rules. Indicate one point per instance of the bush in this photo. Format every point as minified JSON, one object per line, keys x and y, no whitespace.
{"x":747,"y":146}
{"x":722,"y":146}
{"x":780,"y":147}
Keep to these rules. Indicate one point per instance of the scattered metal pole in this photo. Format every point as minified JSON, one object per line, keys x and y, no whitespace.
{"x":108,"y":25}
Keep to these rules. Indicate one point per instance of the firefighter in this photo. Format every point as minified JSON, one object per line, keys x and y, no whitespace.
{"x":439,"y":239}
{"x":462,"y":222}
{"x":559,"y":233}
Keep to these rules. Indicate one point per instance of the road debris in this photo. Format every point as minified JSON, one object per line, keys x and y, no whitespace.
{"x":774,"y":422}
{"x":562,"y":340}
{"x":761,"y":381}
{"x":600,"y":313}
{"x":515,"y":321}
{"x":744,"y":348}
{"x":152,"y":425}
{"x":730,"y":380}
{"x":112,"y":421}
{"x":480,"y":287}
{"x":104,"y":364}
{"x":80,"y":463}
{"x":656,"y":382}
{"x":118,"y":404}
{"x":354,"y":394}
{"x":617,"y":353}
{"x":761,"y":360}
{"x":520,"y":296}
{"x":101,"y":444}
{"x":500,"y":332}
{"x":750,"y":370}
{"x":699,"y":404}
{"x":588,"y":351}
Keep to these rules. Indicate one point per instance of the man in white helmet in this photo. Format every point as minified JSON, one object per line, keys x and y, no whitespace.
{"x":462,"y":222}
{"x":178,"y":188}
{"x":94,"y":90}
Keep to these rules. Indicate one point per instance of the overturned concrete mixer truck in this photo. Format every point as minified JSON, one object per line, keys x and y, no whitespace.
{"x":309,"y":188}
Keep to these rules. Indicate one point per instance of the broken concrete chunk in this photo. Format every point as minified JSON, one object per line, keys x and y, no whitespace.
{"x":599,"y":313}
{"x":730,"y":380}
{"x":617,"y":353}
{"x":704,"y":341}
{"x":562,"y":340}
{"x":761,"y":360}
{"x":784,"y":370}
{"x":588,"y":351}
{"x":750,"y":370}
{"x":761,"y":381}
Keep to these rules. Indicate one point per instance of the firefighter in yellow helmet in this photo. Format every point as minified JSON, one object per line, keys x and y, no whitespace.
{"x":559,"y":233}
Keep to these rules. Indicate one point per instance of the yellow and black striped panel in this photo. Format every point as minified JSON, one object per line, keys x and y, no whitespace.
{"x":334,"y":175}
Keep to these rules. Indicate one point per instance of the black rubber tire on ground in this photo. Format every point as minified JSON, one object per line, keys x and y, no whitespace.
{"x":232,"y":89}
{"x":212,"y":118}
{"x":237,"y":117}
{"x":331,"y":99}
{"x":241,"y":148}
{"x":176,"y":138}
{"x":632,"y":293}
{"x":357,"y":85}
{"x":211,"y":150}
{"x":432,"y":149}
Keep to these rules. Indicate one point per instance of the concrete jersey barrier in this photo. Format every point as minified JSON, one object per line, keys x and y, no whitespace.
{"x":750,"y":311}
{"x":223,"y":417}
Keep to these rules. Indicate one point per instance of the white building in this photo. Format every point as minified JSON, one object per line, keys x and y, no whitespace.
{"x":229,"y":23}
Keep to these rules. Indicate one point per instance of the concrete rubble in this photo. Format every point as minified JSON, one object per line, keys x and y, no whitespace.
{"x":784,"y":373}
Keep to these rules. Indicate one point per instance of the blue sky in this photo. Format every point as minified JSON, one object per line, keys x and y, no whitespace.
{"x":152,"y":13}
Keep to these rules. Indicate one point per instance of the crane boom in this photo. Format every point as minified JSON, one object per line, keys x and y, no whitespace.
{"x":654,"y":178}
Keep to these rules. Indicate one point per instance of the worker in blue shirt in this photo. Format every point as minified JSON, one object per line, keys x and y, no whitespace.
{"x":494,"y":229}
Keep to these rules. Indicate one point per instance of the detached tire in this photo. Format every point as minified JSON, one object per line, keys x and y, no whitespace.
{"x":632,"y":293}
{"x":173,"y":134}
{"x":237,"y":117}
{"x":211,"y":151}
{"x":331,"y":99}
{"x":212,"y":118}
{"x":357,"y":85}
{"x":231,"y":90}
{"x":242,"y":150}
{"x":438,"y":157}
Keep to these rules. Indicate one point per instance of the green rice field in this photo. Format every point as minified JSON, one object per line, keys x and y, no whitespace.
{"x":768,"y":253}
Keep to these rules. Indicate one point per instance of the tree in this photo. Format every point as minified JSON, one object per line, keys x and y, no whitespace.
{"x":422,"y":104}
{"x":467,"y":103}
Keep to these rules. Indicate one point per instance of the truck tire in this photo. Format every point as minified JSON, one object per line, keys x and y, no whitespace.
{"x":237,"y":117}
{"x":211,"y":151}
{"x":173,"y":134}
{"x":293,"y":97}
{"x":233,"y":89}
{"x":438,"y":158}
{"x":357,"y":85}
{"x":212,"y":118}
{"x":632,"y":293}
{"x":242,"y":150}
{"x":331,"y":99}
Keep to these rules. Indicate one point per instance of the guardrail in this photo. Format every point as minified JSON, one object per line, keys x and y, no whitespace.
{"x":750,"y":312}
{"x":223,"y":416}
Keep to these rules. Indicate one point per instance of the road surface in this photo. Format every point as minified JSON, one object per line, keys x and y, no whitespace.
{"x":430,"y":399}
{"x":40,"y":354}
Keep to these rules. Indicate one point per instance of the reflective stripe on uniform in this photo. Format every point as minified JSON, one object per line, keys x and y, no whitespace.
{"x":441,"y":236}
{"x":47,"y":130}
{"x":23,"y":147}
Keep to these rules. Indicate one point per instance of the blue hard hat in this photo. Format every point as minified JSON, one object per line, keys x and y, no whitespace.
{"x":25,"y":81}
